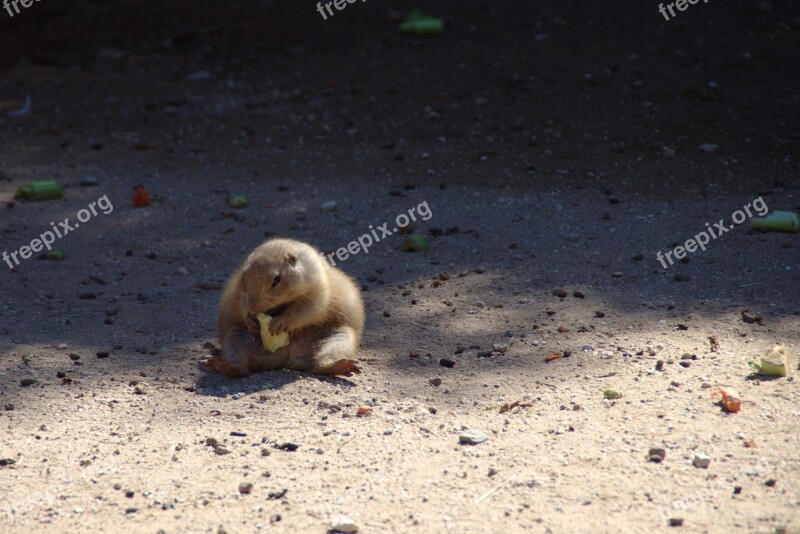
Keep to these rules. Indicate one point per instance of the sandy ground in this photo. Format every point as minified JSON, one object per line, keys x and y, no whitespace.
{"x":547,"y":164}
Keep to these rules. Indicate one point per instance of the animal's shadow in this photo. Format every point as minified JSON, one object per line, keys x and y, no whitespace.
{"x":211,"y":384}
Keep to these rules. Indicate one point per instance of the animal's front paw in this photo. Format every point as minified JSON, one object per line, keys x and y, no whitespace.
{"x":280,"y":324}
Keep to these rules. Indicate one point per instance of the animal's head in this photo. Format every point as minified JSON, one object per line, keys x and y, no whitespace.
{"x":276,"y":273}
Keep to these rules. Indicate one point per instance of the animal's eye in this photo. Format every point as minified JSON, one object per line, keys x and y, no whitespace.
{"x":276,"y":280}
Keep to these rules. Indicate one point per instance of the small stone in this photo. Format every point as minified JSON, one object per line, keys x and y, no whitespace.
{"x":701,"y":460}
{"x":709,"y":148}
{"x":212,"y":442}
{"x":770,"y":483}
{"x":89,"y":181}
{"x":737,"y":490}
{"x":611,"y":394}
{"x":139,"y":389}
{"x":676,"y":522}
{"x":182,"y":271}
{"x":657,"y":455}
{"x":472,"y":437}
{"x":103,"y":354}
{"x":280,"y":494}
{"x":447,"y":362}
{"x":560,"y":293}
{"x":221,"y":450}
{"x":74,"y":357}
{"x":288,"y":446}
{"x":435,"y":381}
{"x":599,"y":314}
{"x":25,"y":382}
{"x":578,"y":294}
{"x":638,"y":257}
{"x":342,"y":523}
{"x":618,"y":274}
{"x":245,"y":488}
{"x":330,"y":205}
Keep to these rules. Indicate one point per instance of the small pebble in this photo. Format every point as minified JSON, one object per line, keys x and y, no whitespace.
{"x":709,"y":148}
{"x":701,"y":460}
{"x":245,"y":488}
{"x":657,"y":455}
{"x":447,"y":362}
{"x":280,"y":494}
{"x":343,"y":523}
{"x":472,"y":437}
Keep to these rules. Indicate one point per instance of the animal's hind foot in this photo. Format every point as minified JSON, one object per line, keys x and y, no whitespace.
{"x":342,"y":367}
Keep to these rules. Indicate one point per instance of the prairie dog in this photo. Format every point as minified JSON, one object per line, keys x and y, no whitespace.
{"x":318,"y":305}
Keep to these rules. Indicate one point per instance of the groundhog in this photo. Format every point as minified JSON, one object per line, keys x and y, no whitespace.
{"x":318,"y":305}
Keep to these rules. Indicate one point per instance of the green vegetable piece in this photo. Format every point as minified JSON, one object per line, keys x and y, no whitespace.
{"x":40,"y":190}
{"x":416,"y":243}
{"x":773,"y":363}
{"x":271,"y":343}
{"x":55,"y":255}
{"x":238,"y":201}
{"x":777,"y":221}
{"x":612,"y":394}
{"x":426,"y":26}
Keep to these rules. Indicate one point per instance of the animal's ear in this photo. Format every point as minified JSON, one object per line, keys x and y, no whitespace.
{"x":290,"y":258}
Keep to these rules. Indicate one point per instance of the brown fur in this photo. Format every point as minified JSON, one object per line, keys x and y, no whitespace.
{"x":318,"y":305}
